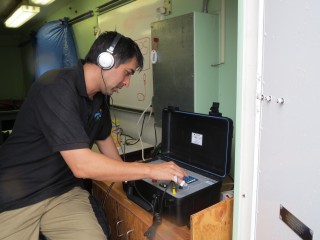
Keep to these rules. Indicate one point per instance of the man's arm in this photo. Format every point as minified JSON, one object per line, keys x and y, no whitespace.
{"x":108,"y":148}
{"x":85,"y":163}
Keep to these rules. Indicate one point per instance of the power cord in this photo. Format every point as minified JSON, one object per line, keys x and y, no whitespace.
{"x":151,"y":232}
{"x":140,"y":133}
{"x":155,"y":135}
{"x":157,"y":216}
{"x":107,"y":194}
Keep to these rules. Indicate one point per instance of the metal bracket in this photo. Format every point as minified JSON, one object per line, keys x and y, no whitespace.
{"x":167,"y":6}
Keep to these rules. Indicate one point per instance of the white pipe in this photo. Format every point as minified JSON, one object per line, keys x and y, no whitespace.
{"x":205,"y":6}
{"x":222,"y":30}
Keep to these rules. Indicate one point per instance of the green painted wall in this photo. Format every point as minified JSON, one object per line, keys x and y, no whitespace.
{"x":16,"y":75}
{"x":83,"y":32}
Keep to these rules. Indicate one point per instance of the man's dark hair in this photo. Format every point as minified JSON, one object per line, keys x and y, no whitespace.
{"x":125,"y":49}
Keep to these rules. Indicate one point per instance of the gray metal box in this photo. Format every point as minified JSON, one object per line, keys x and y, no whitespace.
{"x":183,"y":75}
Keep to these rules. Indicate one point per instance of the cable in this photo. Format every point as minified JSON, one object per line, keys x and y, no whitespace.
{"x":129,"y":140}
{"x":163,"y":194}
{"x":132,"y":138}
{"x":142,"y":197}
{"x":155,"y":135}
{"x":157,"y":218}
{"x":151,"y":232}
{"x":120,"y":133}
{"x":123,"y":146}
{"x":103,"y":80}
{"x":156,"y":151}
{"x":140,"y":134}
{"x":107,"y":194}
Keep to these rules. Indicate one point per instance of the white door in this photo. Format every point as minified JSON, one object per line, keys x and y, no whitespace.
{"x":288,"y":179}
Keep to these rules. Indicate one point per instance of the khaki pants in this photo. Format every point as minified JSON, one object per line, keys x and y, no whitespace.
{"x":69,"y":216}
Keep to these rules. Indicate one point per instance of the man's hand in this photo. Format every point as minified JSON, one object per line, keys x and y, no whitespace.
{"x":167,"y":171}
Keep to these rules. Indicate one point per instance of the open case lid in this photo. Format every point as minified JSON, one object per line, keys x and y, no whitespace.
{"x":197,"y":141}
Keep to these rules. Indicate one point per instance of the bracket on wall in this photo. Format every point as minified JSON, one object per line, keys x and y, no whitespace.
{"x":167,"y":6}
{"x":113,"y":4}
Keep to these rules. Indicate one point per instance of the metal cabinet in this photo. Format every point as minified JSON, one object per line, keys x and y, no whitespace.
{"x":184,"y":74}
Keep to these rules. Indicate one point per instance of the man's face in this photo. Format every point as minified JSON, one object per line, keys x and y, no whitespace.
{"x":116,"y":78}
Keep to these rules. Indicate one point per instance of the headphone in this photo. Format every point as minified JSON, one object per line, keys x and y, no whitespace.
{"x":105,"y":59}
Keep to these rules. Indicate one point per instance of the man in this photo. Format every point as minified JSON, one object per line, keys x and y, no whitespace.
{"x":47,"y":156}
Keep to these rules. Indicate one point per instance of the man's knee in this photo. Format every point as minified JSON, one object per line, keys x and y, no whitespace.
{"x":75,"y":216}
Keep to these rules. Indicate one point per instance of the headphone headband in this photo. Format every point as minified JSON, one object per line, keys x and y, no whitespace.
{"x":114,"y":43}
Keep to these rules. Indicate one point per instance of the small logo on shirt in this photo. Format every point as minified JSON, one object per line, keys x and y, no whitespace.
{"x":97,"y":115}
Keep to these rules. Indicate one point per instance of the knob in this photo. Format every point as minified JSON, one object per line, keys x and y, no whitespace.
{"x":280,"y":100}
{"x":268,"y":98}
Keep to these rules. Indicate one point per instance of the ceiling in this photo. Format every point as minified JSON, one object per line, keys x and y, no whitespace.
{"x":7,"y":6}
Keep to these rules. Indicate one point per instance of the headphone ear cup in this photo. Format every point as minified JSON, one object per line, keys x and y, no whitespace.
{"x":105,"y":60}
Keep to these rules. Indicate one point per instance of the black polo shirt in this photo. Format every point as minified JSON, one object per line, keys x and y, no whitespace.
{"x":56,"y":115}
